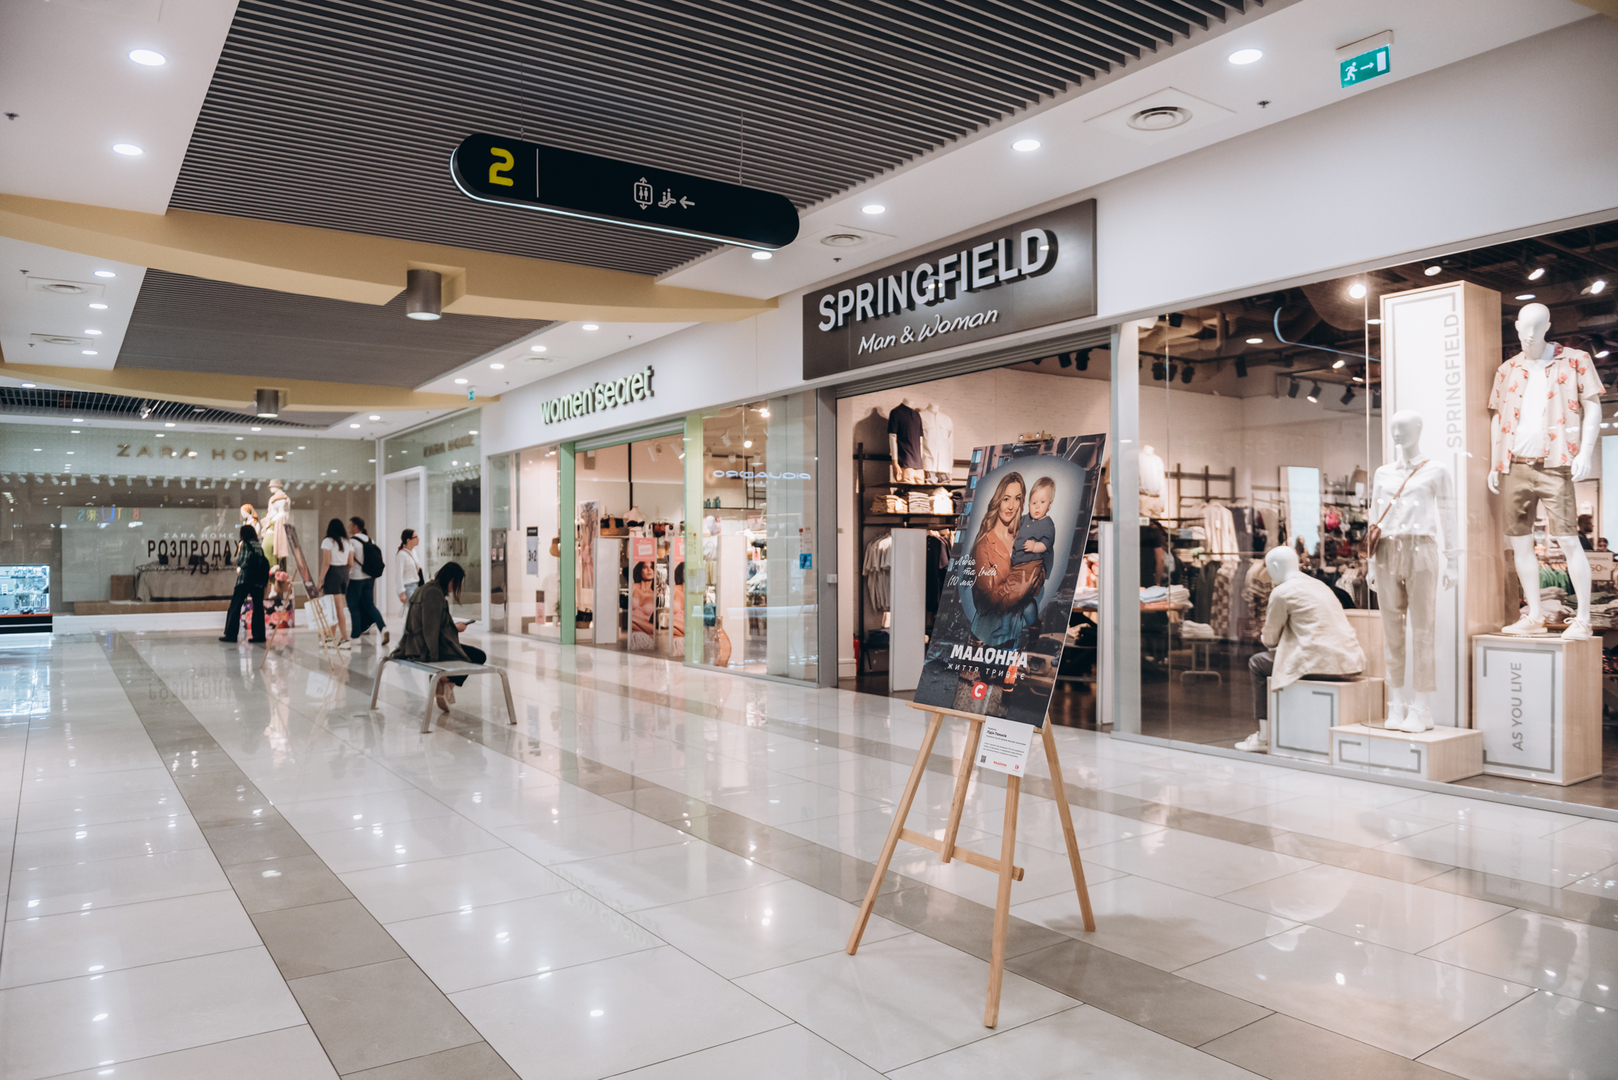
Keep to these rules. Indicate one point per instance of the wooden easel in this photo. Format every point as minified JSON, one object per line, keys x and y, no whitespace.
{"x":324,"y":630}
{"x":1003,"y":866}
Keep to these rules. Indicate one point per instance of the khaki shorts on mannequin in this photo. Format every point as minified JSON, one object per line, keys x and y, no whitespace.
{"x":1407,"y":578}
{"x":1527,"y":485}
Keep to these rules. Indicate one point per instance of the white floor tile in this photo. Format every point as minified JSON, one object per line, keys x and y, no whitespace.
{"x":611,"y":1016}
{"x":1543,"y":860}
{"x":562,"y":839}
{"x":785,"y":1053}
{"x":1191,"y":861}
{"x":899,"y":1000}
{"x":1546,"y":1037}
{"x":1350,"y":822}
{"x":288,"y":1054}
{"x":37,"y":814}
{"x":354,"y":811}
{"x":1571,"y":959}
{"x":115,"y":840}
{"x":788,"y":803}
{"x":397,"y":842}
{"x":459,"y":882}
{"x":652,"y":877}
{"x":1402,"y":1003}
{"x":56,"y":889}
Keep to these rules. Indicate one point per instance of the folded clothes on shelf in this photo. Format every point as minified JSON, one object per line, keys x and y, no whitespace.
{"x":1196,"y":631}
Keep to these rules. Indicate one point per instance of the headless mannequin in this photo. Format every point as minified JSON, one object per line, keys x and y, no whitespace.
{"x":1282,"y":563}
{"x":1412,"y":710}
{"x":1533,"y":323}
{"x":897,"y":474}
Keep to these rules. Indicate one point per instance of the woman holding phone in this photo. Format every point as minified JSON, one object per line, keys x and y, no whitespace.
{"x":431,"y":635}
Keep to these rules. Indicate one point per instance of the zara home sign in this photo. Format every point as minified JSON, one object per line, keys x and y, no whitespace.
{"x":599,"y":396}
{"x":1034,"y":273}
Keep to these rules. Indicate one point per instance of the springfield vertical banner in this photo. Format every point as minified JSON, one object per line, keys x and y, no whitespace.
{"x":1003,"y":616}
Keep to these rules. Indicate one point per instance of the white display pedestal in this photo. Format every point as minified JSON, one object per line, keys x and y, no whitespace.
{"x":609,"y":559}
{"x":1303,"y":713}
{"x":1368,"y":631}
{"x":907,"y":626}
{"x":1441,"y":755}
{"x":1537,"y":702}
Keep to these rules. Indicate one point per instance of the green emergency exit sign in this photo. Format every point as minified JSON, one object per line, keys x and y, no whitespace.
{"x":1365,"y":66}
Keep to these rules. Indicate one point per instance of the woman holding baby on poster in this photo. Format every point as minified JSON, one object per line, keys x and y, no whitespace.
{"x":1011,"y":556}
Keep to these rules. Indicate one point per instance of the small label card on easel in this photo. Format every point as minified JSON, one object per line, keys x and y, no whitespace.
{"x":1004,"y":746}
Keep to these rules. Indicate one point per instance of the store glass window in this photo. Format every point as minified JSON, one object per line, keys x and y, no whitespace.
{"x":433,"y":479}
{"x":750,"y":578}
{"x":137,"y":516}
{"x":534,"y":557}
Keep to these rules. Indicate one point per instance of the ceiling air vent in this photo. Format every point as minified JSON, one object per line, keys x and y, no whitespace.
{"x":1159,"y":118}
{"x":1166,"y":114}
{"x":57,"y":339}
{"x":842,"y":239}
{"x":60,"y":287}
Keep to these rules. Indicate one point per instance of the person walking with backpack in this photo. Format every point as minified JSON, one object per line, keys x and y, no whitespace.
{"x":365,"y":565}
{"x":252,"y":575}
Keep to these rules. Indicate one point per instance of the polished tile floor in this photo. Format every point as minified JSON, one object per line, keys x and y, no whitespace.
{"x":217,"y":868}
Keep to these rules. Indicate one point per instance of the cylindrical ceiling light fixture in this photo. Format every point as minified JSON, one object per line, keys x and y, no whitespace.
{"x":267,"y":403}
{"x":424,"y":294}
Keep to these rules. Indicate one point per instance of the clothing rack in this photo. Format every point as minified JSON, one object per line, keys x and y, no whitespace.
{"x":1207,"y":478}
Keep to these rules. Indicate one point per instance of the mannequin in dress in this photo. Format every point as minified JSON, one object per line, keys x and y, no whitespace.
{"x":1414,"y":499}
{"x":1545,"y":427}
{"x":276,"y":519}
{"x":1306,"y":635}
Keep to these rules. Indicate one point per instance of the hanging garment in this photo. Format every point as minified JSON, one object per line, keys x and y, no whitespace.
{"x":1220,"y":531}
{"x":878,"y":573}
{"x":1219,"y":608}
{"x":937,"y":563}
{"x":937,"y":442}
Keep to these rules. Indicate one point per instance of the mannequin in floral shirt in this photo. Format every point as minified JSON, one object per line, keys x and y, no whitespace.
{"x":1543,"y":435}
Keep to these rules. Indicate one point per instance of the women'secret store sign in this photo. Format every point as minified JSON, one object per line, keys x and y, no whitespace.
{"x":1034,"y":273}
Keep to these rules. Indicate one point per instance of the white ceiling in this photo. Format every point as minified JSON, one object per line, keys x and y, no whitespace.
{"x":983,"y":180}
{"x":65,"y":71}
{"x":28,"y":312}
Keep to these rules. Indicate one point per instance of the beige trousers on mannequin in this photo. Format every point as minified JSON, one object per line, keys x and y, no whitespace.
{"x":1407,"y":577}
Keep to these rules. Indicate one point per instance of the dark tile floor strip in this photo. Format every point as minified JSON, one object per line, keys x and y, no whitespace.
{"x":374,"y":1011}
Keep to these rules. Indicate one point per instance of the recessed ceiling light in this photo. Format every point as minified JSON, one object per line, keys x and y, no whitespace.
{"x":1373,"y":322}
{"x":498,"y":367}
{"x":1025,"y":145}
{"x":762,"y":255}
{"x":78,"y":420}
{"x":1356,"y":290}
{"x":99,"y":307}
{"x":1537,"y":273}
{"x":460,"y":382}
{"x":536,"y":348}
{"x":1245,"y":56}
{"x":1598,"y":286}
{"x":472,"y":431}
{"x":127,"y":149}
{"x":148,"y":58}
{"x":105,"y":273}
{"x":353,"y":425}
{"x":93,"y":333}
{"x":873,"y":208}
{"x":258,"y":429}
{"x":591,"y":326}
{"x":168,"y":425}
{"x":1524,"y":296}
{"x":1433,"y":271}
{"x":88,"y":352}
{"x":27,"y":386}
{"x":748,"y":443}
{"x":1603,"y":354}
{"x":376,"y":416}
{"x":1255,"y":341}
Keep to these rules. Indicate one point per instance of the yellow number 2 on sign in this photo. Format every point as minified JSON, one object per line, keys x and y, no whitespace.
{"x":503,"y":161}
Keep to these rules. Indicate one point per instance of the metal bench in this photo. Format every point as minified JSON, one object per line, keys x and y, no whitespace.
{"x":437,"y":673}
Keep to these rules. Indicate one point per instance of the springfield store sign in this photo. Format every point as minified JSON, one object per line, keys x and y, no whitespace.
{"x":600,"y":396}
{"x":1031,"y":274}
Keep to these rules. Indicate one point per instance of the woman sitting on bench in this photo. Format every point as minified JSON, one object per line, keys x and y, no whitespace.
{"x":431,"y":636}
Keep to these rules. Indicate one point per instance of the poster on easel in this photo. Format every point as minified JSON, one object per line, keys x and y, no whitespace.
{"x":1002,"y":619}
{"x":642,"y":593}
{"x":676,"y":578}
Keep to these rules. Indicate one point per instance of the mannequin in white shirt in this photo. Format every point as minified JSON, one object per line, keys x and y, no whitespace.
{"x":1153,"y":478}
{"x":1533,"y":324}
{"x":1404,"y":569}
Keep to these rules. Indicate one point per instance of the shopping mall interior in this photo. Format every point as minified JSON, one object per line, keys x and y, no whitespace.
{"x":975,"y":540}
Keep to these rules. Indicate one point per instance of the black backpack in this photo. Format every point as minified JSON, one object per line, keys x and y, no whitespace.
{"x":256,"y":570}
{"x":371,"y":559}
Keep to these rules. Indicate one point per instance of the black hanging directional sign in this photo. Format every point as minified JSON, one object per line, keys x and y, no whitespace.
{"x":512,"y":172}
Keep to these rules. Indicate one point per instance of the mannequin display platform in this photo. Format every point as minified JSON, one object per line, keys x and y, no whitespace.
{"x":1308,"y":634}
{"x":1544,"y":428}
{"x":1413,"y":501}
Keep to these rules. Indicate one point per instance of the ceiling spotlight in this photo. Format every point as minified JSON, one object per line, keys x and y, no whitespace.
{"x":1314,"y":393}
{"x":1241,"y":368}
{"x":1603,"y":354}
{"x":472,"y":431}
{"x":1537,"y":273}
{"x":1186,"y":373}
{"x":1025,"y":145}
{"x":88,"y":352}
{"x":747,"y":444}
{"x":1245,"y":56}
{"x":168,"y":424}
{"x":1348,"y":395}
{"x":873,"y":208}
{"x":258,"y":429}
{"x":460,"y":382}
{"x":1373,"y":322}
{"x":1081,"y":360}
{"x":78,"y":419}
{"x":1356,"y":290}
{"x":761,"y":256}
{"x":105,"y":273}
{"x":498,"y":366}
{"x":267,"y":403}
{"x":1255,"y":341}
{"x":1292,"y":388}
{"x":353,"y":425}
{"x":1598,"y":286}
{"x":1433,"y":271}
{"x":93,"y":333}
{"x":99,"y":307}
{"x":590,"y":326}
{"x":1524,"y":296}
{"x":1340,"y":362}
{"x":1159,"y":369}
{"x":148,"y":58}
{"x":127,"y":149}
{"x":765,"y":413}
{"x":375,"y":416}
{"x":424,"y":294}
{"x":536,"y":348}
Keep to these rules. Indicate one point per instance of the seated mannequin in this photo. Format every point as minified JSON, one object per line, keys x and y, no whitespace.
{"x":1307,"y":636}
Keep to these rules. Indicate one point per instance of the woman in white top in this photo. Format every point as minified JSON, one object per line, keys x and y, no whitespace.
{"x":411,"y":572}
{"x":335,"y":552}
